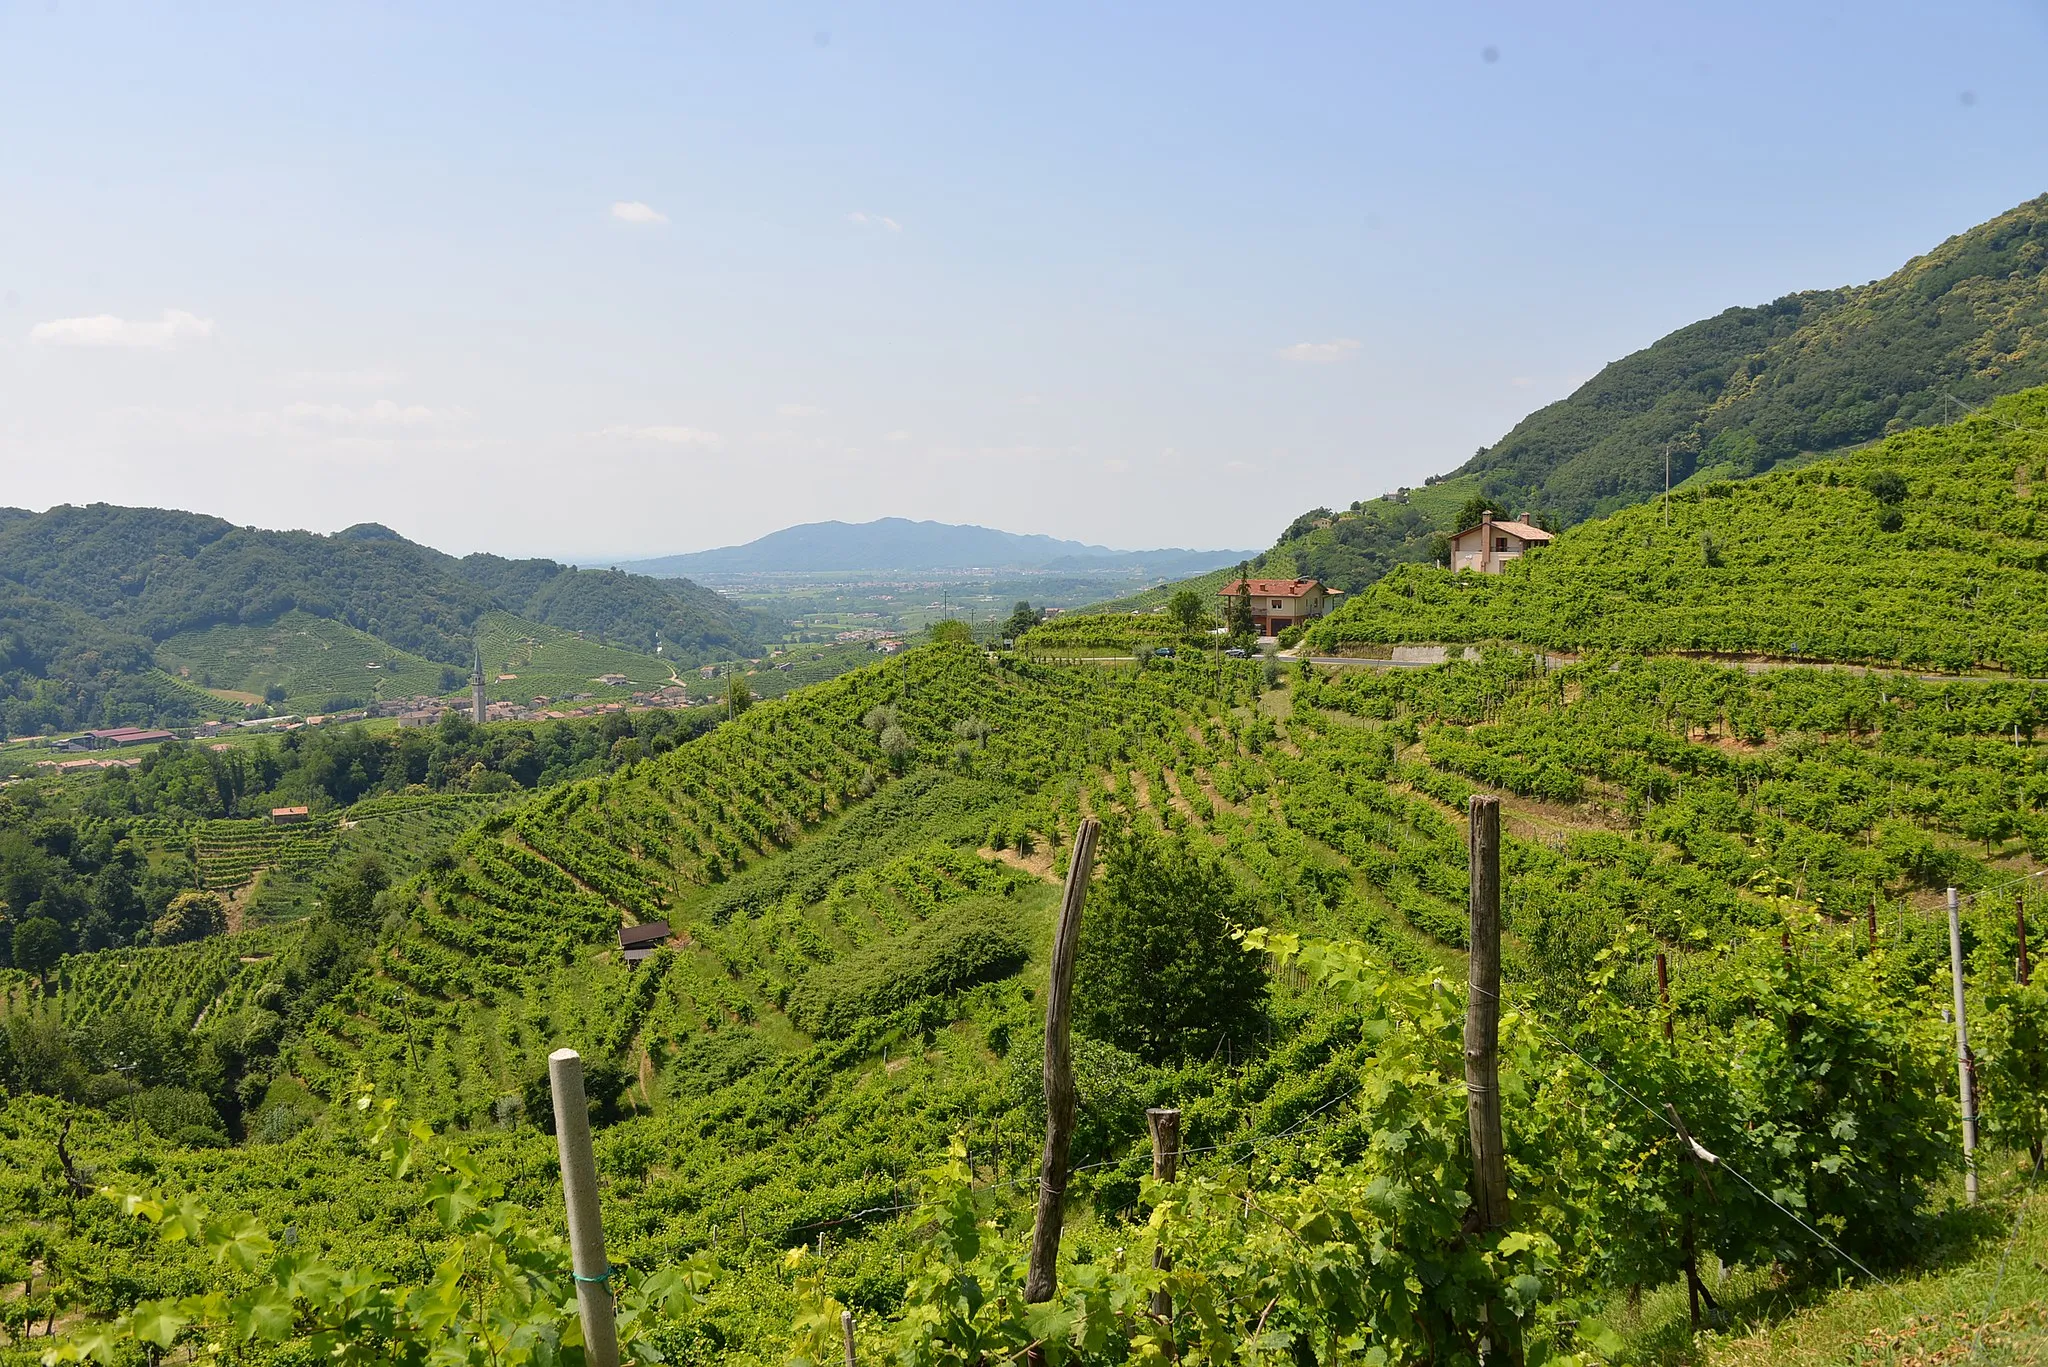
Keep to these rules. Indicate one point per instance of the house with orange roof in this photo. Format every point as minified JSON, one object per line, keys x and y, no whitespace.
{"x":1278,"y":604}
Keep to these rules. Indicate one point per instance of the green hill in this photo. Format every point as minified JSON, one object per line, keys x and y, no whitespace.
{"x":320,"y":664}
{"x":89,"y":595}
{"x":1926,"y":550}
{"x":1731,"y":396}
{"x":550,"y":662}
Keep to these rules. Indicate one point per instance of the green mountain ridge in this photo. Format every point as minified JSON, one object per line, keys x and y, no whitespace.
{"x":87,"y":595}
{"x":1733,"y":396}
{"x":1928,"y":549}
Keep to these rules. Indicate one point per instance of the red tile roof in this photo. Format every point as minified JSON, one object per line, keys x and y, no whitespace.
{"x":1517,"y":529}
{"x":1273,"y":588}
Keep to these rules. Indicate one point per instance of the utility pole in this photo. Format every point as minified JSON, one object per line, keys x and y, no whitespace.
{"x":1964,"y":1069}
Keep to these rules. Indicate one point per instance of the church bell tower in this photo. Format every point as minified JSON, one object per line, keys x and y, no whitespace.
{"x":476,"y":689}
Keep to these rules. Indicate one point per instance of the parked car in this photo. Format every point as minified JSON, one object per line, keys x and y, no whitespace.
{"x":1163,"y":653}
{"x":1235,"y":652}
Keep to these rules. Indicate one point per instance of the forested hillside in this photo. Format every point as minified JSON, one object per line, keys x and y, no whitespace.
{"x":1927,"y":549}
{"x":88,"y":594}
{"x":856,"y":876}
{"x":1733,"y":396}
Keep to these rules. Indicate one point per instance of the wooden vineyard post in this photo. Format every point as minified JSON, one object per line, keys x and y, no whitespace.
{"x":1482,"y":1018}
{"x":1963,"y":1068}
{"x":846,"y":1332}
{"x":1694,"y":1287}
{"x":1664,"y":993}
{"x":1059,"y":1072}
{"x":591,"y":1269}
{"x":1482,"y":1052}
{"x":1165,"y":1127}
{"x":2022,"y":970}
{"x":1873,"y":921}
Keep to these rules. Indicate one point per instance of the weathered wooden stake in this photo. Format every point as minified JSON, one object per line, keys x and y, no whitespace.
{"x":1873,"y":921}
{"x":1664,"y":993}
{"x":2024,"y":970}
{"x":846,"y":1330}
{"x":1482,"y":1019}
{"x":1695,"y":1288}
{"x":1059,"y":1072}
{"x":1165,"y":1127}
{"x":1482,"y":1062}
{"x":592,"y":1270}
{"x":1963,"y":1069}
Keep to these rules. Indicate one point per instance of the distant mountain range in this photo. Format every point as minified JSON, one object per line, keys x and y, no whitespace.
{"x":896,"y":543}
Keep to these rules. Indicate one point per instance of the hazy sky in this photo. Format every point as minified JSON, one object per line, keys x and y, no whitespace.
{"x":595,"y":281}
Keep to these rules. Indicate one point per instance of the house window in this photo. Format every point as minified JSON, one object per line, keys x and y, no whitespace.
{"x":1500,"y":543}
{"x":1278,"y":604}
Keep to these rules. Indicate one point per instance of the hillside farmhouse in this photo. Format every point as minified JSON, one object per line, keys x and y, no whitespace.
{"x":1278,"y":604}
{"x":1490,"y":545}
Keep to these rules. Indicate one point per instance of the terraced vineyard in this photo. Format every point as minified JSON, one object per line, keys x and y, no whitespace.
{"x":554,"y":663}
{"x":230,"y":853}
{"x":175,"y":984}
{"x":310,"y":658}
{"x":401,"y":831}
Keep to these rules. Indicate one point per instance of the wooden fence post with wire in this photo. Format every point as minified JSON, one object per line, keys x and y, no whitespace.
{"x":1482,"y":1051}
{"x":1165,"y":1127}
{"x":1043,"y":1279}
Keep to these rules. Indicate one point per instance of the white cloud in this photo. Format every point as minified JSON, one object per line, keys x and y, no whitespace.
{"x":343,"y":379}
{"x":633,"y":211}
{"x":879,"y":220}
{"x":1117,"y":465}
{"x":898,"y":435}
{"x":798,"y":410}
{"x":1321,"y":353}
{"x":669,"y":436}
{"x":381,"y":414}
{"x":104,"y":329}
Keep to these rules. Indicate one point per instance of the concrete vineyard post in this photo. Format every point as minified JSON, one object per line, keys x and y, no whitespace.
{"x":1059,"y":1072}
{"x":579,"y":1193}
{"x":1165,"y":1126}
{"x":1963,"y":1069}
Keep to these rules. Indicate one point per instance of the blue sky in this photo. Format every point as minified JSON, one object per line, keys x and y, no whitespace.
{"x":601,"y":281}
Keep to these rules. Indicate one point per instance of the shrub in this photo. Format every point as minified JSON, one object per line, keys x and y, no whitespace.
{"x":972,"y":942}
{"x":1161,"y":974}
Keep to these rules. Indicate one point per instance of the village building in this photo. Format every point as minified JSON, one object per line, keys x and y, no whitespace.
{"x":1489,"y":546}
{"x":113,"y":738}
{"x":288,"y":816}
{"x":1278,"y":604}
